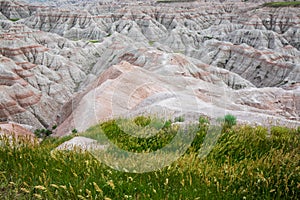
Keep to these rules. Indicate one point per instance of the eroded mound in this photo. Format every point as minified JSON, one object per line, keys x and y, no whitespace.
{"x":186,"y":58}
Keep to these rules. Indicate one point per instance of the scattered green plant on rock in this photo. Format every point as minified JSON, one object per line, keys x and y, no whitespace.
{"x":94,"y":41}
{"x":54,"y":127}
{"x":151,"y":43}
{"x":42,"y":133}
{"x":74,"y":130}
{"x":179,"y":119}
{"x":14,"y":19}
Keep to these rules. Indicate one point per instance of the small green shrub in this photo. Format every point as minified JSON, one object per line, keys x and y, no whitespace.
{"x":74,"y":130}
{"x":203,"y":124}
{"x":203,"y":121}
{"x":229,"y":120}
{"x":151,"y":43}
{"x":54,"y":127}
{"x":14,"y":19}
{"x":208,"y":37}
{"x":42,"y":133}
{"x":179,"y":119}
{"x":168,"y":124}
{"x":94,"y":41}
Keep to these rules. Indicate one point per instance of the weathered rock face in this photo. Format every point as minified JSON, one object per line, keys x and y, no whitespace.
{"x":263,"y":68}
{"x":39,"y":74}
{"x":9,"y":129}
{"x":129,"y":90}
{"x":73,"y":25}
{"x":13,"y":9}
{"x":75,"y":63}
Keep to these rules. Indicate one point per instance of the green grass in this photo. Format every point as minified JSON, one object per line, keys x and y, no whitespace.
{"x":135,"y":144}
{"x":246,"y":163}
{"x":282,"y":4}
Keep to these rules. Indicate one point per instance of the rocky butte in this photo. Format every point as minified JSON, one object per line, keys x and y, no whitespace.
{"x":77,"y":63}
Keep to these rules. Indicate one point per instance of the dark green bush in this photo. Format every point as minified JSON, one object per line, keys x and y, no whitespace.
{"x":54,"y":127}
{"x":74,"y":130}
{"x":14,"y":19}
{"x":42,"y":133}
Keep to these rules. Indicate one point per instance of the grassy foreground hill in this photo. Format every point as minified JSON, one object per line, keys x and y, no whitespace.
{"x":246,"y":163}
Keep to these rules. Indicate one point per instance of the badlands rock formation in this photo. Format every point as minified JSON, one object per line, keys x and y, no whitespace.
{"x":75,"y":63}
{"x":13,"y":134}
{"x":13,"y":128}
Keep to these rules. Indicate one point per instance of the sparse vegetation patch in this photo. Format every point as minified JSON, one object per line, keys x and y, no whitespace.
{"x":94,"y":41}
{"x":14,"y":19}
